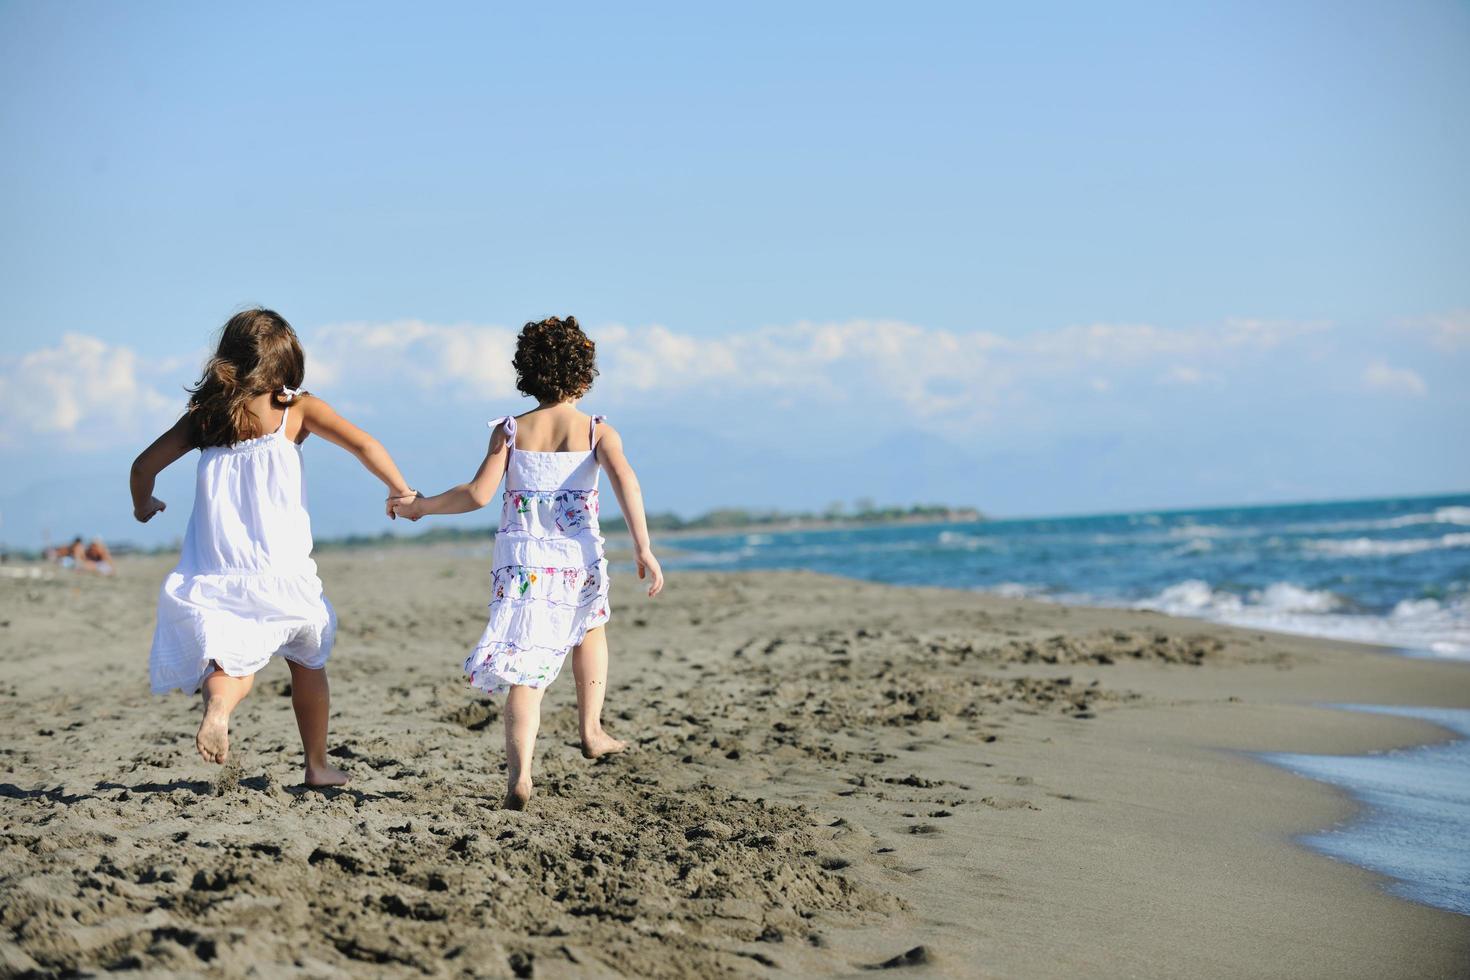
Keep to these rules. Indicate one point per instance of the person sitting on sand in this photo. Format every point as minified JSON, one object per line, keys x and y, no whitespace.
{"x":246,"y":588}
{"x":549,"y":576}
{"x":97,"y":551}
{"x":98,"y":557}
{"x":93,"y":557}
{"x":68,"y":555}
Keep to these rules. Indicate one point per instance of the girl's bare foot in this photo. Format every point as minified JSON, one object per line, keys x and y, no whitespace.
{"x":324,"y":775}
{"x":600,"y":743}
{"x":213,"y":739}
{"x":518,"y":795}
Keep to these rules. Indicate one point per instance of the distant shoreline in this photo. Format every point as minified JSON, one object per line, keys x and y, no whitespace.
{"x":659,"y":527}
{"x":957,"y":516}
{"x":662,"y":525}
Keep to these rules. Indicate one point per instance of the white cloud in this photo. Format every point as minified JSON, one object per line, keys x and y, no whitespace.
{"x":944,"y":379}
{"x":1131,"y":342}
{"x":1261,"y":334}
{"x":929,"y":372}
{"x":457,"y":359}
{"x":83,"y":391}
{"x":1380,"y":376}
{"x":1446,"y":331}
{"x":926,"y":369}
{"x":871,"y":362}
{"x":1182,"y":374}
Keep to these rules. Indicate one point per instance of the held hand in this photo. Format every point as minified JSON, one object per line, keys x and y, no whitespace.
{"x":648,"y":567}
{"x":410,"y":506}
{"x":145,"y":513}
{"x":394,"y":499}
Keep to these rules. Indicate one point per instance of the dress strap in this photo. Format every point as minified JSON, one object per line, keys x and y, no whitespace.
{"x":509,"y":421}
{"x":592,"y":430}
{"x":289,"y":395}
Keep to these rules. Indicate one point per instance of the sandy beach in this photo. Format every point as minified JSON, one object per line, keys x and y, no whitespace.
{"x":829,"y":777}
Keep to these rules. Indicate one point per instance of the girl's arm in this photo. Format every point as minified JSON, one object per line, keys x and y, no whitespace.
{"x":467,"y":496}
{"x":630,"y":499}
{"x":166,"y":450}
{"x":318,"y":417}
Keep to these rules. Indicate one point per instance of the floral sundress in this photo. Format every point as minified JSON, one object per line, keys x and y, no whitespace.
{"x":548,"y":581}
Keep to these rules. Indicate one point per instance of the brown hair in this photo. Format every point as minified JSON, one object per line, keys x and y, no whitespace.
{"x":554,"y":360}
{"x":258,"y":353}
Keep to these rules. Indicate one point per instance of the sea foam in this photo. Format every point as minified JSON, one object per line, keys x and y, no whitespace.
{"x":1423,"y":626}
{"x":1379,"y":547}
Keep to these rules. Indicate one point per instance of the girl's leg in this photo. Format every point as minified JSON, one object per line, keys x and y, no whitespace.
{"x":522,"y":719}
{"x":312,"y":700}
{"x":221,"y":693}
{"x":589,"y":667}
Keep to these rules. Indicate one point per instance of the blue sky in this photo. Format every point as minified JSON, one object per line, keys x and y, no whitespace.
{"x":1039,"y":258}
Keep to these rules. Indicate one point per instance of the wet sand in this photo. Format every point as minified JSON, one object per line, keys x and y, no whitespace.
{"x":828,"y":777}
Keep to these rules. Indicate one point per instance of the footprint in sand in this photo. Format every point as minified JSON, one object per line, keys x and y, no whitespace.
{"x":912,"y":780}
{"x":228,"y":780}
{"x":475,"y":716}
{"x":918,"y":956}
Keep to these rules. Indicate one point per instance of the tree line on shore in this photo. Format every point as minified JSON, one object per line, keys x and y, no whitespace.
{"x":719,"y":519}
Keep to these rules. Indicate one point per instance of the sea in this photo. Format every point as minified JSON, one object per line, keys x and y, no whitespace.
{"x":1416,"y":815}
{"x":1393,"y":572}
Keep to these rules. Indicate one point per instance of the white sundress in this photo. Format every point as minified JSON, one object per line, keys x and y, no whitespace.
{"x":246,"y":587}
{"x":549,"y":577}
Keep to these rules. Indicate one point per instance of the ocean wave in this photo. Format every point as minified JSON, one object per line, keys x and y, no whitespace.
{"x":1440,"y":515}
{"x":1378,"y":547}
{"x":1192,"y":530}
{"x":966,"y":542}
{"x":1432,"y":626}
{"x":1195,"y":597}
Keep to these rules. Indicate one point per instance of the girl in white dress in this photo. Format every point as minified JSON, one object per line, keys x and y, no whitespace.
{"x":246,"y":587}
{"x":548,"y":580}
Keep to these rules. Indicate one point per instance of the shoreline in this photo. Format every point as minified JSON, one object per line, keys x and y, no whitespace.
{"x":1020,"y":789}
{"x":1412,"y":793}
{"x":1300,"y":807}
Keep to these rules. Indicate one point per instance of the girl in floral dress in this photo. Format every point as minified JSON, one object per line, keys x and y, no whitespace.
{"x":548,"y":577}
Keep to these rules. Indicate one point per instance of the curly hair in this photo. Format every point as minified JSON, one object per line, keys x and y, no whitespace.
{"x":555,"y":361}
